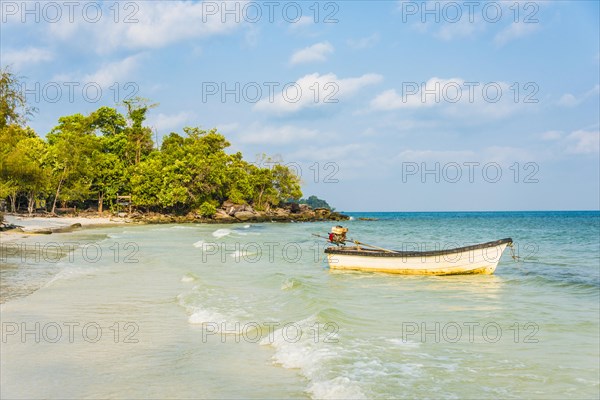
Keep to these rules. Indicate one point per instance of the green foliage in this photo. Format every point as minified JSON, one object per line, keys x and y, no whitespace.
{"x":105,"y":153}
{"x":315,"y":202}
{"x":13,"y":104}
{"x":207,"y":209}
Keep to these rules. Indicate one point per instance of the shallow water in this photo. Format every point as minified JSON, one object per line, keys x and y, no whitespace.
{"x":236,"y":311}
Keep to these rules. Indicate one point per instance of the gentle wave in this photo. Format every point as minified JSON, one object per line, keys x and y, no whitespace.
{"x":312,"y":355}
{"x":561,"y":278}
{"x":189,"y":277}
{"x":219,"y":233}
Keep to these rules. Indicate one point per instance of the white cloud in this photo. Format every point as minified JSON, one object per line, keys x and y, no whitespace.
{"x":276,"y":135}
{"x":507,"y":155}
{"x":461,"y":29}
{"x":551,"y":135}
{"x":454,"y":97}
{"x":417,"y":95}
{"x":365,"y":42}
{"x":315,"y":90}
{"x":348,"y":152}
{"x":170,"y":122}
{"x":228,"y":128}
{"x":514,"y":31}
{"x":503,"y":155}
{"x":154,"y":25}
{"x":108,"y":74}
{"x":314,"y":53}
{"x":435,"y":155}
{"x":569,"y":100}
{"x":114,"y":72}
{"x":583,"y":142}
{"x":449,"y":20}
{"x":304,"y":21}
{"x":25,"y":57}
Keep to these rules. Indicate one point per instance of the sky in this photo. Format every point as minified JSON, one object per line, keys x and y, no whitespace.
{"x":377,"y":105}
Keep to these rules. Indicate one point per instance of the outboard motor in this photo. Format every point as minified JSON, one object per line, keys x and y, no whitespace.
{"x":337,"y":235}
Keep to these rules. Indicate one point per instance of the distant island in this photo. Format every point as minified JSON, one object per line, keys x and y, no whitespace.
{"x":106,"y":162}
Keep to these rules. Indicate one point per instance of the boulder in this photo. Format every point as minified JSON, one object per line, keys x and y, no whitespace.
{"x":281,"y":212}
{"x":226,"y":204}
{"x":222,"y":215}
{"x":244,"y":215}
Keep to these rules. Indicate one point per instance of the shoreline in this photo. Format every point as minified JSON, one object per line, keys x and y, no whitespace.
{"x":23,"y":226}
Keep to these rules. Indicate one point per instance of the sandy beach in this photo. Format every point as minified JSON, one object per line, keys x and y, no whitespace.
{"x":43,"y":225}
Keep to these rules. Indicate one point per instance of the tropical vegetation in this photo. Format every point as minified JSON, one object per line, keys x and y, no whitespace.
{"x":106,"y":153}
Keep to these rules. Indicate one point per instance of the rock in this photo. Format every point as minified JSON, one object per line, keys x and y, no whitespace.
{"x":223,"y":216}
{"x":308,"y":215}
{"x":335,"y":216}
{"x":244,"y":215}
{"x":8,"y":227}
{"x":227,"y":204}
{"x":322,"y":213}
{"x":65,"y":229}
{"x":42,"y":231}
{"x":235,"y":209}
{"x":295,"y":207}
{"x":280,"y":212}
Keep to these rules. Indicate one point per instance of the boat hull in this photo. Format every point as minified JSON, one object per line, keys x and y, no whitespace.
{"x":478,"y":259}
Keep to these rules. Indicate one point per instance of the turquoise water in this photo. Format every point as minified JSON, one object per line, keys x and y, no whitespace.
{"x":251,"y":310}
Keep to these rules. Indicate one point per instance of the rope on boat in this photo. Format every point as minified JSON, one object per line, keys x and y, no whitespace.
{"x":512,"y":253}
{"x":356,"y":242}
{"x":375,"y":247}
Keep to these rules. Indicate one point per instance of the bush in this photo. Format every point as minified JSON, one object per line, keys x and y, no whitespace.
{"x":207,"y":209}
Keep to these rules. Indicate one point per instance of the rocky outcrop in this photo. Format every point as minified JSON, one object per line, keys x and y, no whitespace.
{"x":229,"y":212}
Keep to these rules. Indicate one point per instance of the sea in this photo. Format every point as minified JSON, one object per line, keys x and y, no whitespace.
{"x":253,"y":311}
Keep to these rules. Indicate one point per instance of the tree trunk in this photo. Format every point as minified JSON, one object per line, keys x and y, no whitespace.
{"x":30,"y":202}
{"x":100,"y":202}
{"x":56,"y":196}
{"x":260,"y":197}
{"x":62,"y":178}
{"x":13,"y":202}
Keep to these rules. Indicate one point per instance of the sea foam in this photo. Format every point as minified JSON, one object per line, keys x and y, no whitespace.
{"x":219,"y":233}
{"x":312,"y":357}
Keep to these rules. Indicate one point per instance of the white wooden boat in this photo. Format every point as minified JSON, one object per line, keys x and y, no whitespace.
{"x":477,"y":259}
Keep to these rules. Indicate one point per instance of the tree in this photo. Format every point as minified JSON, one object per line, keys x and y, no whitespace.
{"x":72,"y":143}
{"x":98,"y":155}
{"x":139,"y":138}
{"x":13,"y":165}
{"x":147,"y":181}
{"x":315,"y":202}
{"x":107,"y":175}
{"x":13,"y":104}
{"x":286,"y":183}
{"x":108,"y":121}
{"x":32,"y":172}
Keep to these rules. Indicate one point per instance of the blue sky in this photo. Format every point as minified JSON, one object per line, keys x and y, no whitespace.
{"x":388,"y":105}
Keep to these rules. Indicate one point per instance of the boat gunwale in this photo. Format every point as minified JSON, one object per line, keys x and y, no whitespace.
{"x":397,"y":253}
